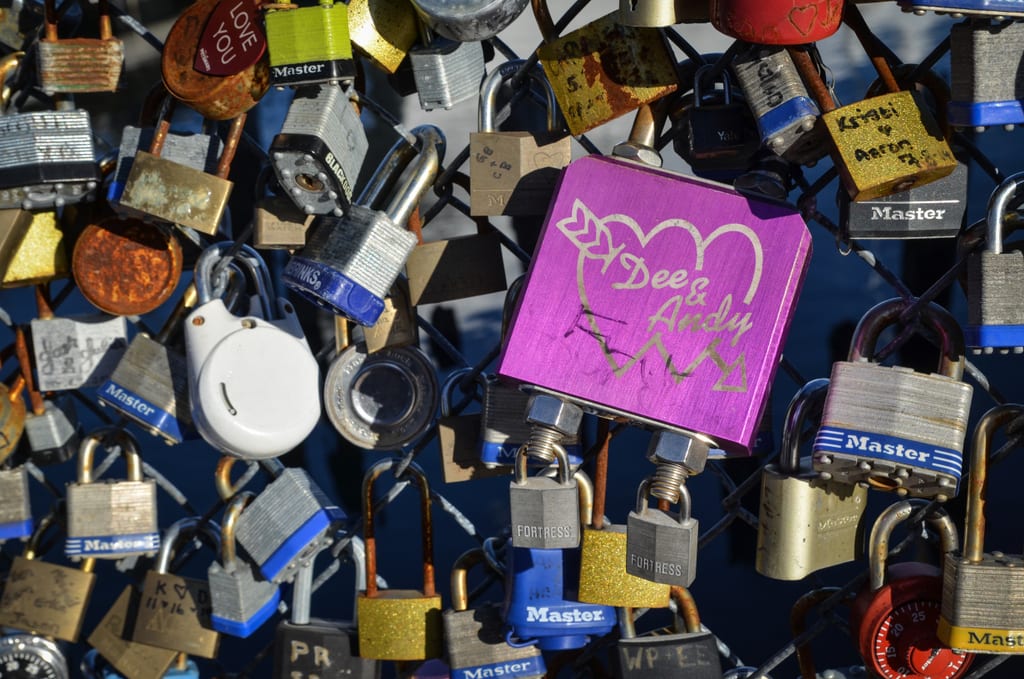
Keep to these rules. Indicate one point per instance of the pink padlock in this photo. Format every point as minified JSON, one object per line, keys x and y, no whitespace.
{"x":661,"y":298}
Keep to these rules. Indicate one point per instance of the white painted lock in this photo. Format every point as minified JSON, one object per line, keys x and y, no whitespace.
{"x":253,"y":381}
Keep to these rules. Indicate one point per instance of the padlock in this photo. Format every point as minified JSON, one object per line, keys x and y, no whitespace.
{"x":661,"y":13}
{"x":79,"y":64}
{"x":446,"y":72}
{"x":603,"y":70}
{"x":457,"y":267}
{"x":777,"y":23}
{"x":458,"y":435}
{"x":320,"y":149}
{"x":46,"y":598}
{"x":993,"y":8}
{"x":469,"y":21}
{"x":397,"y":324}
{"x":417,"y":613}
{"x":691,"y":651}
{"x":880,"y":145}
{"x":12,"y":417}
{"x":174,"y":611}
{"x":237,"y":410}
{"x":995,"y":319}
{"x":225,"y":40}
{"x":514,"y":172}
{"x":895,"y":617}
{"x":51,"y":427}
{"x":35,"y":656}
{"x":350,"y":263}
{"x":11,"y":33}
{"x":150,"y":383}
{"x":891,"y":427}
{"x":40,"y":253}
{"x":95,"y":666}
{"x":14,"y":224}
{"x":16,"y":522}
{"x":130,"y":658}
{"x":984,"y":83}
{"x":309,"y":45}
{"x":279,"y":225}
{"x":705,"y":338}
{"x":475,"y":638}
{"x":806,"y":523}
{"x":544,"y":511}
{"x":305,"y":646}
{"x":382,"y":30}
{"x":287,"y":524}
{"x":111,"y":519}
{"x":660,"y":547}
{"x":981,"y":612}
{"x":165,"y":191}
{"x":643,"y":134}
{"x":240,"y":602}
{"x":505,"y":427}
{"x":779,"y":100}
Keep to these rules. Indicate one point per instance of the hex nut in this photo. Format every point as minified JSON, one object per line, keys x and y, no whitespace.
{"x":672,"y":447}
{"x":550,"y":411}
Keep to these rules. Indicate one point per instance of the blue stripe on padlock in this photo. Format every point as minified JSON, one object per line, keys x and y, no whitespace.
{"x":882,"y":447}
{"x":314,"y":526}
{"x":140,"y":409}
{"x":784,"y":115}
{"x":243,"y":630}
{"x":985,"y":113}
{"x":103,"y":545}
{"x":995,"y":336}
{"x":16,"y":529}
{"x":527,"y":667}
{"x":332,"y":290}
{"x":495,"y":454}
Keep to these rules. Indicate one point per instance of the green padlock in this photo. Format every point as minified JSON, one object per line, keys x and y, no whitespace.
{"x":309,"y":45}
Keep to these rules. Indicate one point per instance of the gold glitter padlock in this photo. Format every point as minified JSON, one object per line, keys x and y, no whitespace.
{"x":40,"y":255}
{"x":383,"y":30}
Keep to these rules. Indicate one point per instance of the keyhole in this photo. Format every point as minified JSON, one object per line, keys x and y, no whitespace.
{"x":227,"y":401}
{"x":309,"y":182}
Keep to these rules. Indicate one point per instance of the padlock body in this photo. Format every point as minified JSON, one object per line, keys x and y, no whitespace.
{"x":667,"y":654}
{"x":447,"y":72}
{"x":80,"y":65}
{"x":161,"y":189}
{"x":239,"y":602}
{"x":986,"y":88}
{"x":417,"y":616}
{"x":994,"y":315}
{"x":514,"y":173}
{"x":661,"y":548}
{"x":997,"y":8}
{"x":675,"y":268}
{"x":324,"y":648}
{"x":30,"y":581}
{"x":139,"y":661}
{"x":112,"y":519}
{"x":893,"y":428}
{"x":603,"y":575}
{"x":14,"y":224}
{"x":981,"y":609}
{"x":83,"y":351}
{"x":455,"y":268}
{"x":504,"y":429}
{"x":40,"y":255}
{"x":198,"y":151}
{"x":174,"y":613}
{"x":382,"y":30}
{"x":807,"y":524}
{"x":545,"y":513}
{"x":12,"y":422}
{"x":15,"y":511}
{"x":777,"y":23}
{"x":53,"y":434}
{"x":309,"y":45}
{"x":476,"y":646}
{"x":279,"y":225}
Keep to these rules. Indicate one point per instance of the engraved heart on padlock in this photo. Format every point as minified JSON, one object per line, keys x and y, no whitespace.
{"x":802,"y":18}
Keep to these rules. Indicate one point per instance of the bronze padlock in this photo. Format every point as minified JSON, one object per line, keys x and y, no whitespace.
{"x":279,"y":225}
{"x":79,"y":64}
{"x":130,"y":658}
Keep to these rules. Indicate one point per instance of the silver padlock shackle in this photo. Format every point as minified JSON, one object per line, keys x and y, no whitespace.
{"x":998,"y":205}
{"x":807,"y":404}
{"x":887,"y":313}
{"x":182,"y":529}
{"x":121,"y":437}
{"x":878,"y":543}
{"x":419,"y":176}
{"x":203,"y":275}
{"x":260,"y":276}
{"x":981,"y":444}
{"x":643,"y":496}
{"x":561,"y":458}
{"x":488,"y":109}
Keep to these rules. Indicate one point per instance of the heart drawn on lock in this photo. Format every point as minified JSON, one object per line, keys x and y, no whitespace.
{"x":802,"y":18}
{"x":694,"y":294}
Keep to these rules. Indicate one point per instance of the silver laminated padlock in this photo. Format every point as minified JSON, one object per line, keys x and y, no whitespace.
{"x":806,"y":523}
{"x":288,"y":523}
{"x":995,"y":281}
{"x":504,"y":427}
{"x":349,"y":264}
{"x":544,"y":511}
{"x":320,"y":150}
{"x":52,"y":433}
{"x":237,"y":409}
{"x":240,"y":601}
{"x":986,"y":80}
{"x":111,"y":519}
{"x":78,"y":351}
{"x":660,"y":547}
{"x":470,"y":21}
{"x":15,"y":511}
{"x":889,"y":426}
{"x":446,"y":72}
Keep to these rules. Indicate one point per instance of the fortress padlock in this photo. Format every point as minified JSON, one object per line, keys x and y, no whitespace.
{"x":242,"y":412}
{"x":349,"y":264}
{"x":986,"y":88}
{"x":382,"y":30}
{"x":660,"y":547}
{"x":446,"y":72}
{"x":544,"y":511}
{"x":79,"y":64}
{"x":309,"y":45}
{"x":806,"y":523}
{"x":470,"y":21}
{"x":891,"y":427}
{"x":320,"y":149}
{"x":111,"y":519}
{"x":16,"y":522}
{"x":777,"y":23}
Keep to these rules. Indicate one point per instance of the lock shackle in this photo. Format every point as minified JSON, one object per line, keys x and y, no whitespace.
{"x":981,"y":444}
{"x":369,"y":531}
{"x":686,"y":608}
{"x":887,"y":313}
{"x":50,"y":20}
{"x":228,"y":544}
{"x":488,"y":109}
{"x":211,"y":283}
{"x":878,"y":543}
{"x":129,"y":450}
{"x":184,"y":529}
{"x":542,"y":15}
{"x":806,"y":405}
{"x":723,"y":77}
{"x":643,"y":495}
{"x":8,"y":66}
{"x":998,"y":206}
{"x":419,"y":176}
{"x":459,"y":580}
{"x":561,"y":458}
{"x":798,"y":623}
{"x":222,"y":476}
{"x":449,"y":385}
{"x":256,"y":267}
{"x":41,"y":528}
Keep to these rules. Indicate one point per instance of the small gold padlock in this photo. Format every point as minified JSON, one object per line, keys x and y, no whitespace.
{"x":383,"y":30}
{"x":40,"y":256}
{"x":399,"y":624}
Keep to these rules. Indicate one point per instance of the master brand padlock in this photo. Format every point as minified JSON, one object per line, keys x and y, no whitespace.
{"x":806,"y":523}
{"x":995,"y":316}
{"x":350,"y":263}
{"x":660,"y":547}
{"x":544,"y":511}
{"x":603,"y":70}
{"x":111,"y":519}
{"x":174,"y":611}
{"x":987,"y":86}
{"x":514,"y":172}
{"x":417,"y":613}
{"x":895,"y":616}
{"x":468,"y":21}
{"x":309,"y":45}
{"x":46,"y":598}
{"x":287,"y":524}
{"x":446,"y":72}
{"x":993,"y":8}
{"x":15,"y":510}
{"x":382,"y":30}
{"x":889,"y":426}
{"x":79,"y":64}
{"x":130,"y":658}
{"x":240,"y":602}
{"x":240,"y":411}
{"x":320,"y":149}
{"x":704,"y":337}
{"x":475,"y":638}
{"x":777,"y":23}
{"x":691,"y":651}
{"x":982,"y":610}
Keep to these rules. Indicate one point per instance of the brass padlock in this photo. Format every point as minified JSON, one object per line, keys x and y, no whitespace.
{"x":130,"y":658}
{"x":279,"y":225}
{"x":396,"y":326}
{"x":456,"y":268}
{"x":399,"y":624}
{"x":79,"y":64}
{"x":12,"y":416}
{"x":383,"y":30}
